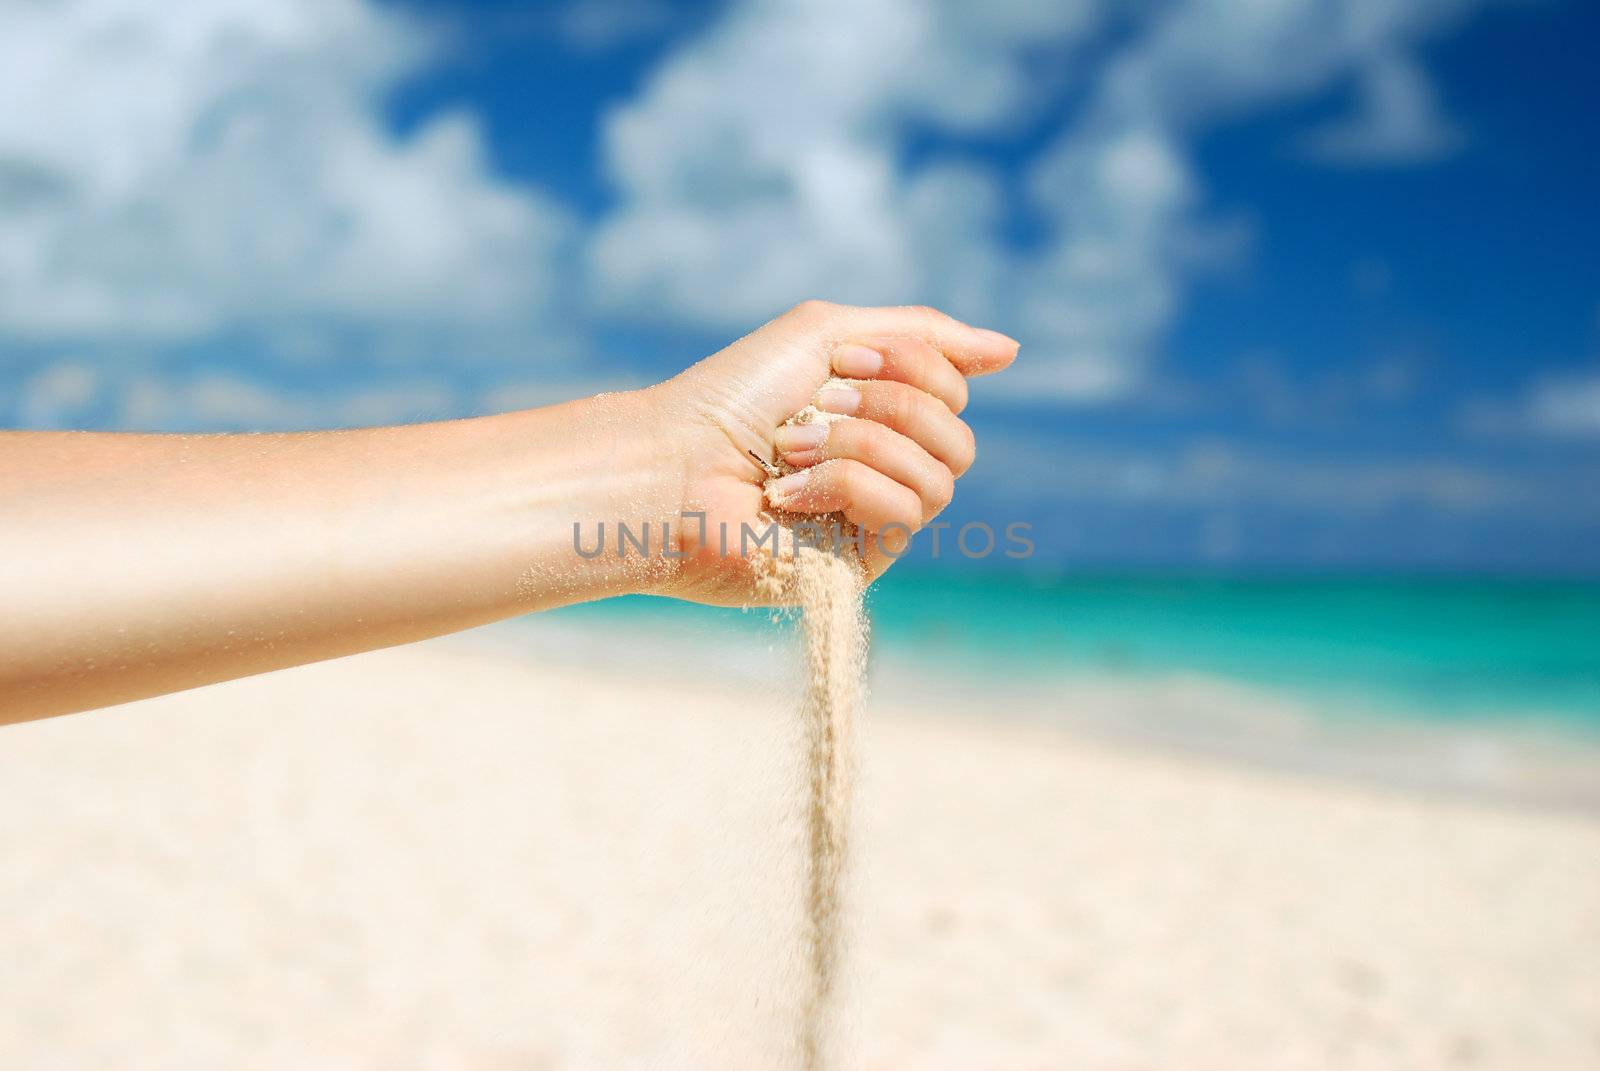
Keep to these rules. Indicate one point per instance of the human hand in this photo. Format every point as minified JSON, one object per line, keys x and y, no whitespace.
{"x":888,"y":464}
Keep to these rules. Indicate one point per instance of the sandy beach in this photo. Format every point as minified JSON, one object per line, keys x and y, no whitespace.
{"x":444,"y":856}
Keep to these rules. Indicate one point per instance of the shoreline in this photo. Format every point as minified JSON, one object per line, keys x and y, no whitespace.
{"x":1522,"y":760}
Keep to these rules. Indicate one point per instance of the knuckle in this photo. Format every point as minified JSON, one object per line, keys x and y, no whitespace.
{"x":967,"y":450}
{"x":845,"y":440}
{"x":908,"y":510}
{"x":849,"y":477}
{"x":873,"y":440}
{"x":842,"y":439}
{"x":958,"y":395}
{"x":902,"y":405}
{"x":943,"y":489}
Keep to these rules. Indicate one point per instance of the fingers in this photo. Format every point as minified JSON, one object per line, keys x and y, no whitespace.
{"x":974,"y":351}
{"x":905,"y":360}
{"x":863,"y":494}
{"x":915,"y":414}
{"x":890,"y":466}
{"x":877,"y":447}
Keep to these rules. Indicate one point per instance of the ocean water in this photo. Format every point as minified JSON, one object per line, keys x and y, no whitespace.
{"x":1485,"y":650}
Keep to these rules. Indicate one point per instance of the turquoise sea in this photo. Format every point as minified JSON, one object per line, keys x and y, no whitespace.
{"x":1487,"y":650}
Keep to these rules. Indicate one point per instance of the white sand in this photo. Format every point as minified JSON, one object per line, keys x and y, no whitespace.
{"x":436,"y":858}
{"x":824,"y":577}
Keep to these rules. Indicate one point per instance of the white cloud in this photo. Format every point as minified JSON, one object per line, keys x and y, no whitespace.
{"x":1092,"y":305}
{"x":1566,"y":406}
{"x":1208,"y":473}
{"x":1399,"y":121}
{"x":760,"y":165}
{"x":170,"y":170}
{"x":595,"y":25}
{"x":73,"y":393}
{"x":765,"y":161}
{"x":1120,"y":185}
{"x":224,"y":401}
{"x":1556,"y":407}
{"x":58,"y":396}
{"x":222,"y":169}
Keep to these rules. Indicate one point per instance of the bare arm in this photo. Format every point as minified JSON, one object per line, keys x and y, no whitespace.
{"x":132,"y":565}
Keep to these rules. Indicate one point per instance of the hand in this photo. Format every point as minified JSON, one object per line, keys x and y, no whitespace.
{"x":891,"y":460}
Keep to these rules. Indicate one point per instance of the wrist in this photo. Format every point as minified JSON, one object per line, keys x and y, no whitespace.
{"x":582,"y":470}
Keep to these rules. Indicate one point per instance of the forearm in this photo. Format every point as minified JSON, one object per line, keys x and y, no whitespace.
{"x":136,"y":565}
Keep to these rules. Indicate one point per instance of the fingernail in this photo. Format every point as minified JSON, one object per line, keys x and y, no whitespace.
{"x":842,"y":400}
{"x":996,"y":337}
{"x":781,"y":490}
{"x":793,"y":438}
{"x":853,"y":359}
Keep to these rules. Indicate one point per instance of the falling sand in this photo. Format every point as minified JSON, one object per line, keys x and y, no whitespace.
{"x":825,"y":579}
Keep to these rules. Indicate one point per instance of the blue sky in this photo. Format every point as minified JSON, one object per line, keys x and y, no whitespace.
{"x":1301,"y":284}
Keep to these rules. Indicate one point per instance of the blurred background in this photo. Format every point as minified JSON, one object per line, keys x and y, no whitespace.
{"x":1305,"y":437}
{"x":1301,"y":284}
{"x":1307,"y":291}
